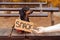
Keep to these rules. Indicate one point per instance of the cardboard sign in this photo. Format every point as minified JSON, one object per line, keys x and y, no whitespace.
{"x":23,"y":25}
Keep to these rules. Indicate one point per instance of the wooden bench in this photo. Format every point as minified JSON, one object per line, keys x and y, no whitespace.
{"x":50,"y":9}
{"x":22,"y":4}
{"x":5,"y":32}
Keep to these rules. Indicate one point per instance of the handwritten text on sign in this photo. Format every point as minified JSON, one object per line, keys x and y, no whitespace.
{"x":23,"y":25}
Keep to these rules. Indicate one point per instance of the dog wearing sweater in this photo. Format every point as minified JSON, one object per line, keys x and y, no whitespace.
{"x":54,"y":28}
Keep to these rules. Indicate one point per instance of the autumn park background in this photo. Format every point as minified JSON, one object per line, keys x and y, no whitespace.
{"x":40,"y":21}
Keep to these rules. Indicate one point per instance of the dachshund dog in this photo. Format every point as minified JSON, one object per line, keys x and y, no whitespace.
{"x":24,"y":13}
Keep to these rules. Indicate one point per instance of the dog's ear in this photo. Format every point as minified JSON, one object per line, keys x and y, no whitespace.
{"x":26,"y":8}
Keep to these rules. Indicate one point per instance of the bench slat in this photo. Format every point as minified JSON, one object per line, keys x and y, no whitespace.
{"x":16,"y":15}
{"x":35,"y":9}
{"x":18,"y":3}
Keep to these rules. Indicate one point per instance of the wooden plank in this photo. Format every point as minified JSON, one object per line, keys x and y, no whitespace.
{"x":34,"y":9}
{"x":17,"y":15}
{"x":5,"y":32}
{"x":18,"y":3}
{"x":17,"y":34}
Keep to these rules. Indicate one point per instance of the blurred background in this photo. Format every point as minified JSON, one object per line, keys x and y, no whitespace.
{"x":40,"y":21}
